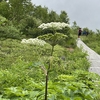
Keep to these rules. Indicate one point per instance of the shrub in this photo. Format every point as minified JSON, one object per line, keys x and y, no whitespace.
{"x":9,"y":31}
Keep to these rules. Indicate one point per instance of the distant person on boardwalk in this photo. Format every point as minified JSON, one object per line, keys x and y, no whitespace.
{"x":85,"y":32}
{"x":79,"y":32}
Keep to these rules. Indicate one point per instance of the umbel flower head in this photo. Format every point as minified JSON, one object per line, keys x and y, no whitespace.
{"x":55,"y":25}
{"x":34,"y":41}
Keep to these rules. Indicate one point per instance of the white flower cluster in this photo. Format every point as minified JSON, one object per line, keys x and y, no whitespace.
{"x":56,"y":25}
{"x":34,"y":41}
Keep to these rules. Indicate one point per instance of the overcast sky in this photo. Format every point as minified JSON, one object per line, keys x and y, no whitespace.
{"x":86,"y":13}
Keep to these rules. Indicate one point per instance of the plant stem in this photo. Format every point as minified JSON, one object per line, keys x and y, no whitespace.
{"x":46,"y":87}
{"x":46,"y":78}
{"x":52,"y":50}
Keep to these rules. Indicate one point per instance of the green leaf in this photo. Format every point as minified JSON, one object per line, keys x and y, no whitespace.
{"x":78,"y":98}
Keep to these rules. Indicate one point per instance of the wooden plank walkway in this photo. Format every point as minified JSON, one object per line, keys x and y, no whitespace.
{"x":93,"y":57}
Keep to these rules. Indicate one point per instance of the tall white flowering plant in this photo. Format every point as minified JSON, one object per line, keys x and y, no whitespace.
{"x":34,"y":41}
{"x":55,"y":38}
{"x":52,"y":39}
{"x":54,"y":25}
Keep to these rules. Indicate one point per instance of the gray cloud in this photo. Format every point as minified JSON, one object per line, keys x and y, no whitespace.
{"x":84,"y":12}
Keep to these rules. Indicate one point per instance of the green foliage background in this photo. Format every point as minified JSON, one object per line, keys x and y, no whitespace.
{"x":21,"y":76}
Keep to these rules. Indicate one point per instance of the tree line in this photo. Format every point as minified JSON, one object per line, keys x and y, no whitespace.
{"x":20,"y":18}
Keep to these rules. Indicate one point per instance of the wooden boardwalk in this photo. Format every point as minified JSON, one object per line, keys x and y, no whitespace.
{"x":93,"y":57}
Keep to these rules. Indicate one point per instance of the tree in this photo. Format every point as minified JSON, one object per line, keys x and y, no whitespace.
{"x":64,"y":17}
{"x":97,"y":31}
{"x":19,"y":9}
{"x":41,"y":13}
{"x":4,"y":9}
{"x":28,"y":26}
{"x":74,"y":26}
{"x":53,"y":16}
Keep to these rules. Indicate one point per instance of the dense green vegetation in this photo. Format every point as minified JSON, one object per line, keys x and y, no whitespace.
{"x":93,"y":41}
{"x":25,"y":68}
{"x":22,"y":76}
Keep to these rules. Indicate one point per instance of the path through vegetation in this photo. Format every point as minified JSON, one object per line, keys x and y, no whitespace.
{"x":93,"y":57}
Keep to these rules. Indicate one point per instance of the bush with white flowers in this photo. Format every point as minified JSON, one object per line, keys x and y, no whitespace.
{"x":55,"y":25}
{"x":34,"y":41}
